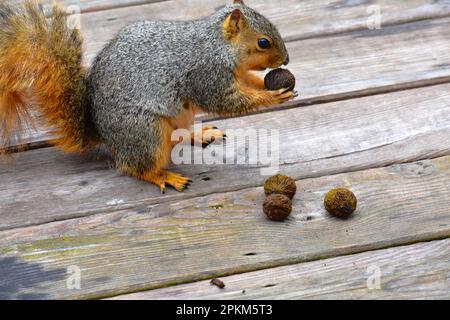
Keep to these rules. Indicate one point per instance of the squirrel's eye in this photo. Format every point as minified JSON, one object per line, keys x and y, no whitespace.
{"x":264,"y":43}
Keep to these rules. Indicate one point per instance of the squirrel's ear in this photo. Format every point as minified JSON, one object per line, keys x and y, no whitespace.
{"x":234,"y":23}
{"x":238,"y":2}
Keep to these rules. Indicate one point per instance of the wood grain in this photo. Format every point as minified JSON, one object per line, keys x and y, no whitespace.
{"x":419,"y":271}
{"x":97,"y":5}
{"x":295,"y":19}
{"x":222,"y":234}
{"x":44,"y":185}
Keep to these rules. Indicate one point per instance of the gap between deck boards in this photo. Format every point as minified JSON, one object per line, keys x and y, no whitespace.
{"x":280,"y":264}
{"x":267,"y":267}
{"x":344,"y":277}
{"x":299,"y":103}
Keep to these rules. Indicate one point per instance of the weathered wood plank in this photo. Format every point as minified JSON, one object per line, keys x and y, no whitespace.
{"x":419,"y":271}
{"x":97,"y":5}
{"x":44,"y":185}
{"x":295,"y":19}
{"x":343,"y":66}
{"x":221,"y":234}
{"x":99,"y":27}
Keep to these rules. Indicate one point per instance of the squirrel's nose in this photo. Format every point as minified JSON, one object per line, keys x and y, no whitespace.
{"x":286,"y":62}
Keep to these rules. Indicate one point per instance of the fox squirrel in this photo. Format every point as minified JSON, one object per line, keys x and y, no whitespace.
{"x":148,"y":81}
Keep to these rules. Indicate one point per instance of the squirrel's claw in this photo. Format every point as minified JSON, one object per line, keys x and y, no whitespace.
{"x":206,"y":144}
{"x":163,"y":178}
{"x":162,"y":186}
{"x":282,"y":95}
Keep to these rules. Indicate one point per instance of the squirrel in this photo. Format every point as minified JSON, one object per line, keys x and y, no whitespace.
{"x":148,"y":81}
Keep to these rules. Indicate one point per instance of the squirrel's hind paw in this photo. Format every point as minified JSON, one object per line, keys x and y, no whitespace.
{"x":163,"y":178}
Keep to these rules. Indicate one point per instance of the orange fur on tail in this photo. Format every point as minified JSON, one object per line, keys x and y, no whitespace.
{"x":41,"y":69}
{"x":14,"y":116}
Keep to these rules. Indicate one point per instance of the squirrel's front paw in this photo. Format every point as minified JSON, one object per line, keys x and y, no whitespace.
{"x":281,"y":96}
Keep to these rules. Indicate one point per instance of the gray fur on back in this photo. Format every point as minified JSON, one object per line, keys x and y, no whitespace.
{"x":151,"y":68}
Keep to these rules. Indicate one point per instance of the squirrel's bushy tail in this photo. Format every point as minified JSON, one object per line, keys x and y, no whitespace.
{"x":41,"y":69}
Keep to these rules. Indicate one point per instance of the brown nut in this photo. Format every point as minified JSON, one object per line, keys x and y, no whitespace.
{"x":277,"y":207}
{"x":278,"y":79}
{"x":340,"y":202}
{"x":280,"y":184}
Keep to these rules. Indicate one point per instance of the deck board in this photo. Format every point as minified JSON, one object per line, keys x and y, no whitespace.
{"x":45,"y":185}
{"x":296,"y":19}
{"x":154,"y":246}
{"x":97,"y":5}
{"x":419,"y":271}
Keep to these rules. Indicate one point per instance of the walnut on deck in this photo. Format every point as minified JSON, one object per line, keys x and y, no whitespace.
{"x":277,"y":207}
{"x":340,"y":202}
{"x":280,"y":184}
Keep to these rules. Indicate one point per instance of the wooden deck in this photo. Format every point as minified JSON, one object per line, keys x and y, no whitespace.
{"x":373,"y":115}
